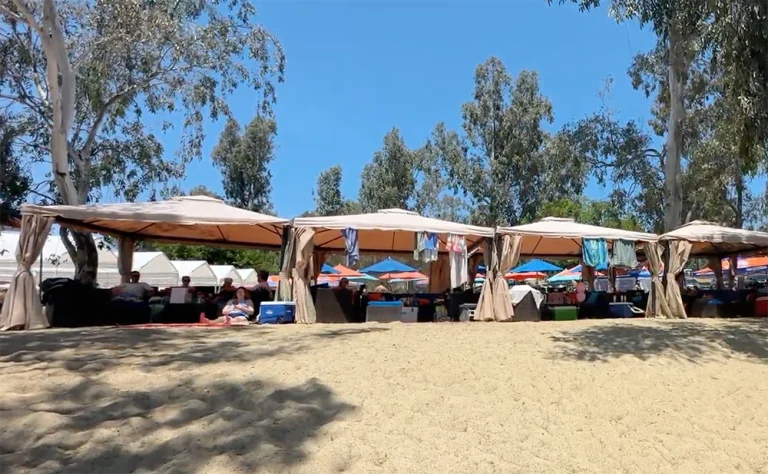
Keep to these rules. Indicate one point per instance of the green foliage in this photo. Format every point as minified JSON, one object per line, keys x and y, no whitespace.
{"x":402,"y":178}
{"x":506,"y":163}
{"x":388,"y":181}
{"x":15,"y":182}
{"x":132,"y":60}
{"x":244,"y":163}
{"x":328,"y":198}
{"x":588,"y":211}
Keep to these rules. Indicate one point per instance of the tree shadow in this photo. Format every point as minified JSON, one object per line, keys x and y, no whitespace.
{"x":689,"y":340}
{"x":92,"y":427}
{"x":89,"y":351}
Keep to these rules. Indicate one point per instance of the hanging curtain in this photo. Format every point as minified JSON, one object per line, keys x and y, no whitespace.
{"x":508,"y":248}
{"x":678,"y":255}
{"x":318,"y":259}
{"x":484,"y":310}
{"x":657,"y":303}
{"x":302,"y":273}
{"x":125,"y":247}
{"x":733,"y":267}
{"x":22,"y":308}
{"x":716,"y":265}
{"x":439,"y":274}
{"x":287,"y":261}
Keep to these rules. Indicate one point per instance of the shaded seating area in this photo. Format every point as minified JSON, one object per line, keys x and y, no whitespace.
{"x":388,"y":231}
{"x":703,"y":239}
{"x":598,"y":248}
{"x":195,"y":220}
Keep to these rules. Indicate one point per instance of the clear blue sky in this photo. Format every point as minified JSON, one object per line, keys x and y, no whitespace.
{"x":357,"y":69}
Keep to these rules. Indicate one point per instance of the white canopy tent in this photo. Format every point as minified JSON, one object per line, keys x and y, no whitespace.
{"x":56,"y":260}
{"x":155,"y":269}
{"x":562,"y":237}
{"x":199,"y":272}
{"x":226,"y":271}
{"x":248,"y":276}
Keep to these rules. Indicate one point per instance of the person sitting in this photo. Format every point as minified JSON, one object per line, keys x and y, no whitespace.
{"x":237,"y":310}
{"x":343,"y":284}
{"x":381,"y":289}
{"x":186,"y":283}
{"x":133,"y":290}
{"x":263,"y":277}
{"x":226,"y":293}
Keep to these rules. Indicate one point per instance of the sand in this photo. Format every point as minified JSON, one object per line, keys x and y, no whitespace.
{"x":557,"y":397}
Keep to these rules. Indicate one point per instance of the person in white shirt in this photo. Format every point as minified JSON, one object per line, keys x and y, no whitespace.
{"x":133,"y":290}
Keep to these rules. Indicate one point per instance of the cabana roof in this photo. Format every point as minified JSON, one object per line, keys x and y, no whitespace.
{"x":388,"y":230}
{"x":188,"y":219}
{"x":710,"y":239}
{"x":561,"y":237}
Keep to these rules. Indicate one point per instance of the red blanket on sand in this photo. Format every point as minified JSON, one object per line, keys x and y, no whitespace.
{"x":180,"y":325}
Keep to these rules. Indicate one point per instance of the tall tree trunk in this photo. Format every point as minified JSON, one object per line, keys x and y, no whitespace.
{"x":673,"y":187}
{"x":62,"y":84}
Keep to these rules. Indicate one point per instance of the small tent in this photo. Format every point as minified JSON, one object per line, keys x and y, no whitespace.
{"x":226,"y":271}
{"x":155,"y":269}
{"x":198,"y":271}
{"x":248,"y":276}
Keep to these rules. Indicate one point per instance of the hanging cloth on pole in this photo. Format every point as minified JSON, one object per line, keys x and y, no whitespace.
{"x":351,"y":246}
{"x":457,"y":252}
{"x":425,"y":247}
{"x":595,"y":252}
{"x":624,"y":254}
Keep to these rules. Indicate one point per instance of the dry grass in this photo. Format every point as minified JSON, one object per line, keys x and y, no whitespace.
{"x":571,"y":397}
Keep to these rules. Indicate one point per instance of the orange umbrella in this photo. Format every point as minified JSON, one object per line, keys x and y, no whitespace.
{"x":525,"y":276}
{"x":403,"y":276}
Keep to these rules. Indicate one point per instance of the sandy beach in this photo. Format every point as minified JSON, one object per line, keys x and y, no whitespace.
{"x":572,"y":397}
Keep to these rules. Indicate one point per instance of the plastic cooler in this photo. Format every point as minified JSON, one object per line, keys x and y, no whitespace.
{"x":621,"y":310}
{"x":277,"y":312}
{"x":564,"y":313}
{"x":384,"y":311}
{"x":761,"y":306}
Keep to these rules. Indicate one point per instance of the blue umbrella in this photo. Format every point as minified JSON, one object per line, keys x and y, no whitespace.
{"x":328,"y":269}
{"x":537,"y":265}
{"x":388,"y":266}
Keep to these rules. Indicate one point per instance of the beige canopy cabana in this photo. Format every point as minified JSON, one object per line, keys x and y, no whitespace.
{"x":562,"y":237}
{"x":553,"y":237}
{"x":706,"y":239}
{"x":192,"y":220}
{"x":389,"y":231}
{"x":197,"y":220}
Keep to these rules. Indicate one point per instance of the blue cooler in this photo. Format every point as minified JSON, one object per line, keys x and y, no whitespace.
{"x":621,"y":310}
{"x":277,"y":312}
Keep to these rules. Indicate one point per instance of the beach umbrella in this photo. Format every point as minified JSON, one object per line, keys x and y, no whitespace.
{"x":327,"y":269}
{"x":388,"y":266}
{"x":537,"y":265}
{"x":525,"y":276}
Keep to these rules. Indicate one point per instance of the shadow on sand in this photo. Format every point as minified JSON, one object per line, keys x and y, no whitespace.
{"x":245,"y":426}
{"x":183,"y":425}
{"x":94,"y":350}
{"x":686,"y":340}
